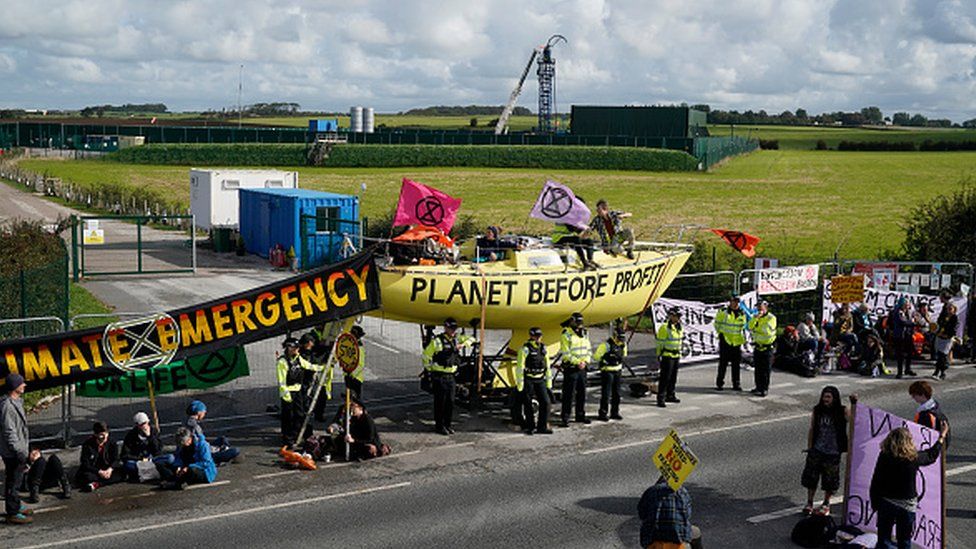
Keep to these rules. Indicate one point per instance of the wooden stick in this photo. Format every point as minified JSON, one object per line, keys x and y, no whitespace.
{"x":348,"y":393}
{"x":152,"y":400}
{"x":847,"y":473}
{"x":481,"y":347}
{"x":650,"y":298}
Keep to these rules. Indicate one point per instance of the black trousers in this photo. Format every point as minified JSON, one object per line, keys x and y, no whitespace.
{"x":728,"y":355}
{"x":443,"y":385}
{"x":610,"y":392}
{"x":904,"y":350}
{"x":535,"y":388}
{"x":193,"y":475}
{"x":13,"y":478}
{"x":762,"y":361}
{"x":355,"y":387}
{"x":583,"y":246}
{"x":574,"y":386}
{"x":84,"y":478}
{"x":292,"y":416}
{"x":668,"y":378}
{"x":45,"y":473}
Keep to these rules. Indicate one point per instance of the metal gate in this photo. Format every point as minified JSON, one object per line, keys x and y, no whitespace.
{"x":132,"y":245}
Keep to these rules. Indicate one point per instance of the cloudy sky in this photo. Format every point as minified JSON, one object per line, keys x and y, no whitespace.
{"x":918,"y":56}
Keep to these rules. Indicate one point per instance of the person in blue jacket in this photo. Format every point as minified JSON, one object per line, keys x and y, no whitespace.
{"x":193,"y":463}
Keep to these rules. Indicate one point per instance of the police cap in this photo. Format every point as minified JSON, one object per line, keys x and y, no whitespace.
{"x":535,"y":331}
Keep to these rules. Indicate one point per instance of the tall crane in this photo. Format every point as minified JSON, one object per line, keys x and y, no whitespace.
{"x":546,"y":73}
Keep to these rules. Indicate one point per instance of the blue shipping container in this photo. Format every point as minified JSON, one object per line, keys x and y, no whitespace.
{"x":313,"y":222}
{"x":324,"y":125}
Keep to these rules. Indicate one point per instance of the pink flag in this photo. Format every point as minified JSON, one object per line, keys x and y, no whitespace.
{"x":558,"y":204}
{"x":423,"y":205}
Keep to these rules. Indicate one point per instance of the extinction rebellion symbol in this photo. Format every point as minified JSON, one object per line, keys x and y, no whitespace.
{"x":556,"y":203}
{"x":429,"y":211}
{"x":141,"y":343}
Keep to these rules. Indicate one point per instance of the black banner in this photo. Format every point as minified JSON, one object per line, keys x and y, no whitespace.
{"x":330,"y":293}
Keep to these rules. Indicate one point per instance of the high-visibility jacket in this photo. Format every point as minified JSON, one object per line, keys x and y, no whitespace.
{"x":560,"y":232}
{"x":290,"y":375}
{"x":443,"y":353}
{"x":575,"y":348}
{"x":359,"y":373}
{"x":731,"y":326}
{"x":611,"y":354}
{"x":532,"y":363}
{"x":669,"y":340}
{"x":763,"y":329}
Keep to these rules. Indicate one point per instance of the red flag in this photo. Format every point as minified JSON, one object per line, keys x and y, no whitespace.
{"x":744,"y":242}
{"x":423,"y":205}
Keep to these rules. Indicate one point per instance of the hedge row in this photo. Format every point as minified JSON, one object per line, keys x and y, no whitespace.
{"x":906,"y":146}
{"x":396,"y":156}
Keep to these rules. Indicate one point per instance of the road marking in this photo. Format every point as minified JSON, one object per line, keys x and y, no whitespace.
{"x":277,"y":474}
{"x":696,"y":433}
{"x":384,"y":347}
{"x":689,"y":408}
{"x":210,"y":485}
{"x":49,"y":509}
{"x":960,"y":470}
{"x":218,"y":516}
{"x":645,"y":414}
{"x":448,"y":446}
{"x":410,"y":453}
{"x":782,"y":385}
{"x":787,"y":512}
{"x":957,"y":389}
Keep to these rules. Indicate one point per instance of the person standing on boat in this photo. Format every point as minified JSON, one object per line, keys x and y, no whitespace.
{"x":533,"y":379}
{"x":610,"y":355}
{"x":763,"y":329}
{"x":576,"y":354}
{"x":614,"y":238}
{"x":442,"y":358}
{"x":730,"y":323}
{"x":669,"y":337}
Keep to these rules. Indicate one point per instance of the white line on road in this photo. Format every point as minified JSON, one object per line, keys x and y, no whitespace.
{"x":49,"y":509}
{"x":787,"y":512}
{"x":696,"y":433}
{"x":782,"y":385}
{"x":218,"y":516}
{"x":210,"y":485}
{"x":957,"y":389}
{"x":960,"y":470}
{"x":278,"y":474}
{"x":448,"y":446}
{"x":384,"y":347}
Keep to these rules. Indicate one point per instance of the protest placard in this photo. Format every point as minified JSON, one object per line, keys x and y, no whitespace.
{"x":847,"y":289}
{"x":674,"y":460}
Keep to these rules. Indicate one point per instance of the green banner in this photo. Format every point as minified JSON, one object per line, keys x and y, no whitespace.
{"x":199,"y":372}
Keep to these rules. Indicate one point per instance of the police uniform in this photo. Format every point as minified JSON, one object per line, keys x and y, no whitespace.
{"x":317,"y":354}
{"x":533,"y":379}
{"x":763,"y":329}
{"x":354,"y":380}
{"x":610,"y":355}
{"x":290,"y":372}
{"x":576,"y":354}
{"x":442,"y":358}
{"x":730,"y":325}
{"x":669,"y":337}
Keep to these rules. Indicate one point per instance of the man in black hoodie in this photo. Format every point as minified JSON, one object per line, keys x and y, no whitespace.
{"x":141,"y":443}
{"x":99,"y":460}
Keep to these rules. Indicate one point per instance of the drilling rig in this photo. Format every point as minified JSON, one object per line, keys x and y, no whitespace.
{"x":546,"y":72}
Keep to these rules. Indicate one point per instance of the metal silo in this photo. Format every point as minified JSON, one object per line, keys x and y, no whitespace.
{"x":356,"y":119}
{"x":369,"y":120}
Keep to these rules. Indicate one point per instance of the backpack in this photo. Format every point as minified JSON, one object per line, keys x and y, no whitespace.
{"x":813,"y":531}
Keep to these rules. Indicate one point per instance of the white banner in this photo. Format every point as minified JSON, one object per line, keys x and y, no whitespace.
{"x":881,"y":302}
{"x":700,"y":338}
{"x":788,"y":279}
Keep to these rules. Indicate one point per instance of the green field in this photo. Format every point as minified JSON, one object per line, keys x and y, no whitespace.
{"x":806,"y":137}
{"x":801,"y":203}
{"x":515,"y":123}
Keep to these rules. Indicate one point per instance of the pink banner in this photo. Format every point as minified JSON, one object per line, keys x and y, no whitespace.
{"x":871,"y":426}
{"x":423,"y":205}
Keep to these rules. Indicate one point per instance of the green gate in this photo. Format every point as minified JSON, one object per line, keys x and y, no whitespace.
{"x":132,"y":245}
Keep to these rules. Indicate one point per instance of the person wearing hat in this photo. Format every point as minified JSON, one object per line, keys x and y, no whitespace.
{"x":763,"y":330}
{"x":730,"y":324}
{"x":576,"y":352}
{"x":669,"y":336}
{"x":441,"y":358}
{"x":533,"y":379}
{"x":354,"y":380}
{"x":99,"y":463}
{"x":291,"y":369}
{"x":312,"y":349}
{"x":141,"y":444}
{"x":14,"y":445}
{"x":610,"y":356}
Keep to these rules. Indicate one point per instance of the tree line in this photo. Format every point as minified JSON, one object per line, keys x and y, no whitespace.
{"x":864,"y":117}
{"x":468,"y":110}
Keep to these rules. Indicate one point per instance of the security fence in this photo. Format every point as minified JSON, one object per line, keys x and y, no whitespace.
{"x":125,"y":244}
{"x":32,"y":293}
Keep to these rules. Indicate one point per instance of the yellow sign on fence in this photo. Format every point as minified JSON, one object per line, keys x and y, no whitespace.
{"x":92,"y":234}
{"x":847,"y":289}
{"x":674,"y":460}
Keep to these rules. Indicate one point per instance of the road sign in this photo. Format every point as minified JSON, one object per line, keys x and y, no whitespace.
{"x":347,"y":352}
{"x":674,"y":460}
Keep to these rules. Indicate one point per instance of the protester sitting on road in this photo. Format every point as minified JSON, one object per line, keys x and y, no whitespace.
{"x":141,"y":444}
{"x":826,"y":441}
{"x":363,"y":438}
{"x":893,"y":485}
{"x":44,"y":473}
{"x":945,"y":336}
{"x":810,"y":337}
{"x":220,"y":448}
{"x":99,"y":460}
{"x":862,"y":320}
{"x":871,"y":360}
{"x":614,"y":239}
{"x":843,"y":330}
{"x":665,"y":517}
{"x":193,"y":463}
{"x":788,"y":351}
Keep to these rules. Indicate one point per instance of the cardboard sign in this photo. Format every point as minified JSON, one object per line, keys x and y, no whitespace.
{"x":91,"y":234}
{"x":847,"y":289}
{"x":674,"y":460}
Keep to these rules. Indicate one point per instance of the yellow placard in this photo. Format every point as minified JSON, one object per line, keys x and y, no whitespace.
{"x":94,"y":236}
{"x":847,"y":289}
{"x":674,"y":460}
{"x":347,"y":352}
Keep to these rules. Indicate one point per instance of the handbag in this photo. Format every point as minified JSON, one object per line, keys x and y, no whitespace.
{"x":147,"y":471}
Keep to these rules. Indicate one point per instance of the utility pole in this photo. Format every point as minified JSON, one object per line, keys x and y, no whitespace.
{"x":240,"y":88}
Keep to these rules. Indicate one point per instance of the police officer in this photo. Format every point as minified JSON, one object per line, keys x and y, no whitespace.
{"x":354,"y":380}
{"x":669,"y":337}
{"x":610,"y":356}
{"x":576,"y":354}
{"x":763,"y":329}
{"x":730,"y":324}
{"x":312,"y":350}
{"x":442,"y":358}
{"x":291,"y":370}
{"x":533,"y":379}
